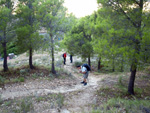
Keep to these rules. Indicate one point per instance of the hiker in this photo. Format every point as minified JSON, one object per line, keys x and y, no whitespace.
{"x":64,"y":56}
{"x":70,"y":58}
{"x":84,"y":69}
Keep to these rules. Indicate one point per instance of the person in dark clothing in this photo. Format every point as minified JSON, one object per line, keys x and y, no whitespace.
{"x":85,"y":73}
{"x":71,"y":59}
{"x":64,"y":56}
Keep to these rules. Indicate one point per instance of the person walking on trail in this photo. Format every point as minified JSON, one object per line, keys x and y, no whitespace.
{"x":71,"y":59}
{"x":84,"y":69}
{"x":64,"y":56}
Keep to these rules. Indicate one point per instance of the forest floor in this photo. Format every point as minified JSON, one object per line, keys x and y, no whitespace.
{"x":42,"y":92}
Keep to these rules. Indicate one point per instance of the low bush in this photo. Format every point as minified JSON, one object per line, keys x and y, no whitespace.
{"x":77,"y":63}
{"x":119,"y":105}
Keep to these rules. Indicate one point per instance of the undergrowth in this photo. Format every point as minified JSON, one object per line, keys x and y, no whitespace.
{"x":120,"y":105}
{"x":115,"y":98}
{"x":29,"y":104}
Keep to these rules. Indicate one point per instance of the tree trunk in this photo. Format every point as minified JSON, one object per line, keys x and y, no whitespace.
{"x":132,"y":79}
{"x":99,"y":63}
{"x":121,"y":65}
{"x":52,"y":53}
{"x":5,"y":57}
{"x":113,"y":69}
{"x":134,"y":67}
{"x":137,"y":48}
{"x":30,"y":59}
{"x":89,"y":61}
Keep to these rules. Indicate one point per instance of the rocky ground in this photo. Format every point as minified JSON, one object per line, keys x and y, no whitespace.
{"x":78,"y":98}
{"x":47,"y":94}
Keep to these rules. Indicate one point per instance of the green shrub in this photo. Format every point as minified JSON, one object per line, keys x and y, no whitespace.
{"x":15,"y":80}
{"x":38,"y":99}
{"x":77,"y":63}
{"x":34,"y":75}
{"x":25,"y":106}
{"x":97,"y":73}
{"x":7,"y":103}
{"x":41,"y":74}
{"x":139,"y":91}
{"x":1,"y":101}
{"x":6,"y":81}
{"x":59,"y":63}
{"x":16,"y":62}
{"x":51,"y":76}
{"x":118,"y":105}
{"x":120,"y":80}
{"x":24,"y":71}
{"x":60,"y":100}
{"x":21,"y":79}
{"x":2,"y":79}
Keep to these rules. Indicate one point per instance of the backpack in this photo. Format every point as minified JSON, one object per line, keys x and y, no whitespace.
{"x":64,"y":55}
{"x":87,"y":67}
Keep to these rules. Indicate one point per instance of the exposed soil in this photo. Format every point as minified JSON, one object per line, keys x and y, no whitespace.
{"x":77,"y":98}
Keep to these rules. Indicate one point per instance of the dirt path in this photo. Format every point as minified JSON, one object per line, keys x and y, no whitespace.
{"x":42,"y":87}
{"x":78,"y":99}
{"x":82,"y":100}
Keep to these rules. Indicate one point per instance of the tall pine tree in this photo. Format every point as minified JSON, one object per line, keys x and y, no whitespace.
{"x":6,"y":27}
{"x":28,"y":38}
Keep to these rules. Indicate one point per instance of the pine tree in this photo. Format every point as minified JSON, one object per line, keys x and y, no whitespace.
{"x":6,"y":27}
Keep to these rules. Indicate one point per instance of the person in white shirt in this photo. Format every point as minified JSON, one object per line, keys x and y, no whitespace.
{"x":85,"y":73}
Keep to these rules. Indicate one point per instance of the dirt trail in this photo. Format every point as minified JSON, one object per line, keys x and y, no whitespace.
{"x":80,"y":98}
{"x":84,"y":97}
{"x":30,"y":87}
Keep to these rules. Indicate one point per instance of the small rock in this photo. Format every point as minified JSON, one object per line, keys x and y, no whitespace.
{"x":65,"y":111}
{"x":12,"y":97}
